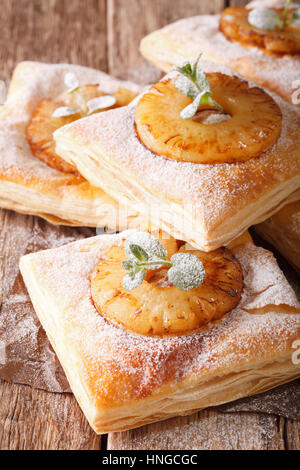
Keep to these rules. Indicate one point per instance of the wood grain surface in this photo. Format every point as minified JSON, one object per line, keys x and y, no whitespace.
{"x":103,"y":34}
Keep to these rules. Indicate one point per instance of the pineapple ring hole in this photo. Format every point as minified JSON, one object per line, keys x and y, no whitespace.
{"x":210,"y":116}
{"x":159,"y":278}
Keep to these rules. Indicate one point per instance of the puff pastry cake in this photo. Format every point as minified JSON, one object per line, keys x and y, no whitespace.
{"x":205,"y":184}
{"x":282,"y":230}
{"x":29,"y":185}
{"x":126,"y":373}
{"x":229,"y":39}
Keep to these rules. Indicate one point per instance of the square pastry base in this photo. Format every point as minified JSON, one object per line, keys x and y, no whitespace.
{"x":123,"y":380}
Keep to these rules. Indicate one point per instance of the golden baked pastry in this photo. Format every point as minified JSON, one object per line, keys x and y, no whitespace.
{"x":27,"y":184}
{"x":282,"y":230}
{"x":122,"y":379}
{"x":249,"y":51}
{"x":207,"y":205}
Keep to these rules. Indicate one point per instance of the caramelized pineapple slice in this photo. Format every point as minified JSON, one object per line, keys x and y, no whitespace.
{"x":253,"y":127}
{"x":156,"y":307}
{"x":42,"y":125}
{"x":235,"y":26}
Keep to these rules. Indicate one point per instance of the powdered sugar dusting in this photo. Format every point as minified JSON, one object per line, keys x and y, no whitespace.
{"x":145,"y":363}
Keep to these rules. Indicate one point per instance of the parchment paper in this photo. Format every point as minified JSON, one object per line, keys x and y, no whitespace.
{"x":25,"y":353}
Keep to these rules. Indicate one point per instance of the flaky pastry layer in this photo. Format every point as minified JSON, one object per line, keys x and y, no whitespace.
{"x":124,"y":380}
{"x":30,"y":186}
{"x":206,"y":205}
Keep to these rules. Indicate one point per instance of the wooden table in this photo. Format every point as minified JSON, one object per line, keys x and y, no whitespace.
{"x":104,"y":34}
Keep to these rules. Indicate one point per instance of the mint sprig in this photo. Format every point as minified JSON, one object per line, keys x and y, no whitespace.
{"x":145,"y":252}
{"x":193,"y":83}
{"x":86,"y":107}
{"x":285,"y":15}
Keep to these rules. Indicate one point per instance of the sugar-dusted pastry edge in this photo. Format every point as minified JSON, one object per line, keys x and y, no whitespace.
{"x":261,"y":373}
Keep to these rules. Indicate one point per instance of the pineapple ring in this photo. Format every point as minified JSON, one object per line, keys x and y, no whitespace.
{"x":235,"y":26}
{"x":158,"y":308}
{"x":39,"y":132}
{"x":255,"y":123}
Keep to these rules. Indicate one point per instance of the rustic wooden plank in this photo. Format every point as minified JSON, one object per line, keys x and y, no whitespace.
{"x":130,"y":20}
{"x":32,"y":419}
{"x":52,"y":31}
{"x":292,"y":434}
{"x":48,"y":31}
{"x":238,"y":3}
{"x":207,"y":430}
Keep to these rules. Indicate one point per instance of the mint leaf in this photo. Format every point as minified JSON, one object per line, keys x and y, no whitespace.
{"x":191,"y":109}
{"x":185,"y":86}
{"x":195,"y":66}
{"x":187,"y":271}
{"x":148,"y":242}
{"x":133,"y":280}
{"x":101,"y":102}
{"x":138,"y":252}
{"x":71,"y":82}
{"x":128,"y":265}
{"x":202,"y":81}
{"x":264,"y":18}
{"x":64,"y":111}
{"x":284,"y":22}
{"x":296,"y":15}
{"x":186,"y":68}
{"x":193,"y":82}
